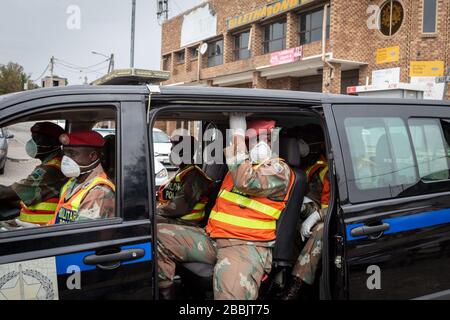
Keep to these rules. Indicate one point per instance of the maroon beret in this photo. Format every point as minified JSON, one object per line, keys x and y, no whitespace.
{"x":82,"y":139}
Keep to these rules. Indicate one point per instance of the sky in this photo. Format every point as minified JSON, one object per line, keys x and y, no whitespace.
{"x":31,"y":31}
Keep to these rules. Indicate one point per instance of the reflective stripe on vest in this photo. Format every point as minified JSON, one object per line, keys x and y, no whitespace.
{"x":67,"y":210}
{"x":198,"y":212}
{"x":245,"y":217}
{"x":43,"y":212}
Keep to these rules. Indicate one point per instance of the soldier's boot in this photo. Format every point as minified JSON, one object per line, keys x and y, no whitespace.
{"x":167,"y":293}
{"x":294,"y":289}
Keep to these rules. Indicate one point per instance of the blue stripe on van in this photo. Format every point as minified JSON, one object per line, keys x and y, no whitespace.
{"x":408,"y":223}
{"x":76,"y":259}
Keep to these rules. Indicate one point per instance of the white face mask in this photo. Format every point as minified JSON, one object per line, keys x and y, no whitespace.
{"x":260,"y":152}
{"x":71,"y":169}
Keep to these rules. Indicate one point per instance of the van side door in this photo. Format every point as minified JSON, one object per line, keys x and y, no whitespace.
{"x":108,"y":258}
{"x":396,"y":216}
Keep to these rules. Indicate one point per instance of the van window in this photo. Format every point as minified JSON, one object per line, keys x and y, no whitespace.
{"x":380,"y":151}
{"x":52,"y":191}
{"x":431,"y":149}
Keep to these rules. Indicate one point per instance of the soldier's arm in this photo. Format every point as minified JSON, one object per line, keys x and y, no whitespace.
{"x":99,"y":203}
{"x":185,"y":199}
{"x":43,"y":183}
{"x":270,"y":179}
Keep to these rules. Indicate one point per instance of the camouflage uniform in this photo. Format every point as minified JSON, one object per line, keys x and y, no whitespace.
{"x":182,"y":197}
{"x":311,"y":254}
{"x":42,"y":184}
{"x":239,"y":265}
{"x":99,"y":203}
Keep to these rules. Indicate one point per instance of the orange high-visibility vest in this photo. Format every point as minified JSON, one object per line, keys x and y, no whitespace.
{"x":41,"y":213}
{"x":239,"y":216}
{"x":168,"y":191}
{"x":321,"y":166}
{"x":67,"y":210}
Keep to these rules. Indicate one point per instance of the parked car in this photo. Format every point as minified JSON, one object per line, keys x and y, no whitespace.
{"x":389,"y":209}
{"x":161,"y":173}
{"x":162,"y":147}
{"x":4,"y":136}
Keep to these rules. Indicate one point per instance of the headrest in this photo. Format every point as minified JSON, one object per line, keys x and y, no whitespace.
{"x":290,"y":151}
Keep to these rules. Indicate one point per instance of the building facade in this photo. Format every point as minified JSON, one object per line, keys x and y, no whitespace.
{"x":53,"y":81}
{"x":309,"y":45}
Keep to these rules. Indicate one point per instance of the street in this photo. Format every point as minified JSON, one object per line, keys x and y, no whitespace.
{"x":18,"y":165}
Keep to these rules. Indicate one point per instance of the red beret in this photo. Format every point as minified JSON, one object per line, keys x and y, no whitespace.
{"x":257,"y":127}
{"x":47,"y":129}
{"x":82,"y":139}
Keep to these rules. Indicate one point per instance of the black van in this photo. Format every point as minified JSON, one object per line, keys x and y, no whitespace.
{"x":389,"y":212}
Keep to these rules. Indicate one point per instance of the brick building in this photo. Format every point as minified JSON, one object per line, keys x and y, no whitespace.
{"x":279,"y":44}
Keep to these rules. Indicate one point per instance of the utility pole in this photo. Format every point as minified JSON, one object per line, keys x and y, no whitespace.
{"x":111,"y":63}
{"x":162,"y":8}
{"x":133,"y":27}
{"x":52,"y":67}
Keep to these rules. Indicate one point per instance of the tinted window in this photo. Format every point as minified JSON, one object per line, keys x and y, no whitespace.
{"x":431,"y":149}
{"x":241,"y":50}
{"x":215,"y":53}
{"x":380,"y":151}
{"x":275,"y":37}
{"x":429,"y":16}
{"x":310,"y":26}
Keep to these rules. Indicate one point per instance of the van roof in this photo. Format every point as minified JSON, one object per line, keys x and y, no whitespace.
{"x":211,"y":94}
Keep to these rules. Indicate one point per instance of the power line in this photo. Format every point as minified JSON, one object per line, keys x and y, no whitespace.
{"x":42,"y":74}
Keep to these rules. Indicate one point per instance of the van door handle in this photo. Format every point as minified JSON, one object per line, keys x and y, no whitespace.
{"x":369,"y":230}
{"x":113,"y":260}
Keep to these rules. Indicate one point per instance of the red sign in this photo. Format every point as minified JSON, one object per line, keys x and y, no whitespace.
{"x":286,"y":56}
{"x":351,"y":90}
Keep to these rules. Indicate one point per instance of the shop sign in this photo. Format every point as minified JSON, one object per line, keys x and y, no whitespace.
{"x":390,"y":54}
{"x":426,"y":69}
{"x":267,"y":11}
{"x":286,"y":56}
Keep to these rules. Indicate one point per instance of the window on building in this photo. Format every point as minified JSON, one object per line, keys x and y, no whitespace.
{"x":275,"y":37}
{"x":55,"y":83}
{"x":193,"y":52}
{"x":166,"y":63}
{"x":429,"y":24}
{"x":241,"y":46}
{"x":310,"y":26}
{"x":215,"y":53}
{"x":180,"y":56}
{"x":391,"y":17}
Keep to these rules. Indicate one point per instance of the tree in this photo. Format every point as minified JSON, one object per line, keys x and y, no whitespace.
{"x":13,"y":78}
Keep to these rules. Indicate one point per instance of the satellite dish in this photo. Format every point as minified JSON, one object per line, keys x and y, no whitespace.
{"x":203,"y":48}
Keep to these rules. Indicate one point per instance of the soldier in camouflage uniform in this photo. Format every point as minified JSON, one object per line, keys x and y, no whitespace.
{"x":37,"y":195}
{"x":240,"y":234}
{"x":314,"y":211}
{"x":183,"y":199}
{"x":89,"y":194}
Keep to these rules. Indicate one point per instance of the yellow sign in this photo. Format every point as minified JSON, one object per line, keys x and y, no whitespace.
{"x":426,"y":69}
{"x":385,"y":55}
{"x":267,"y":11}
